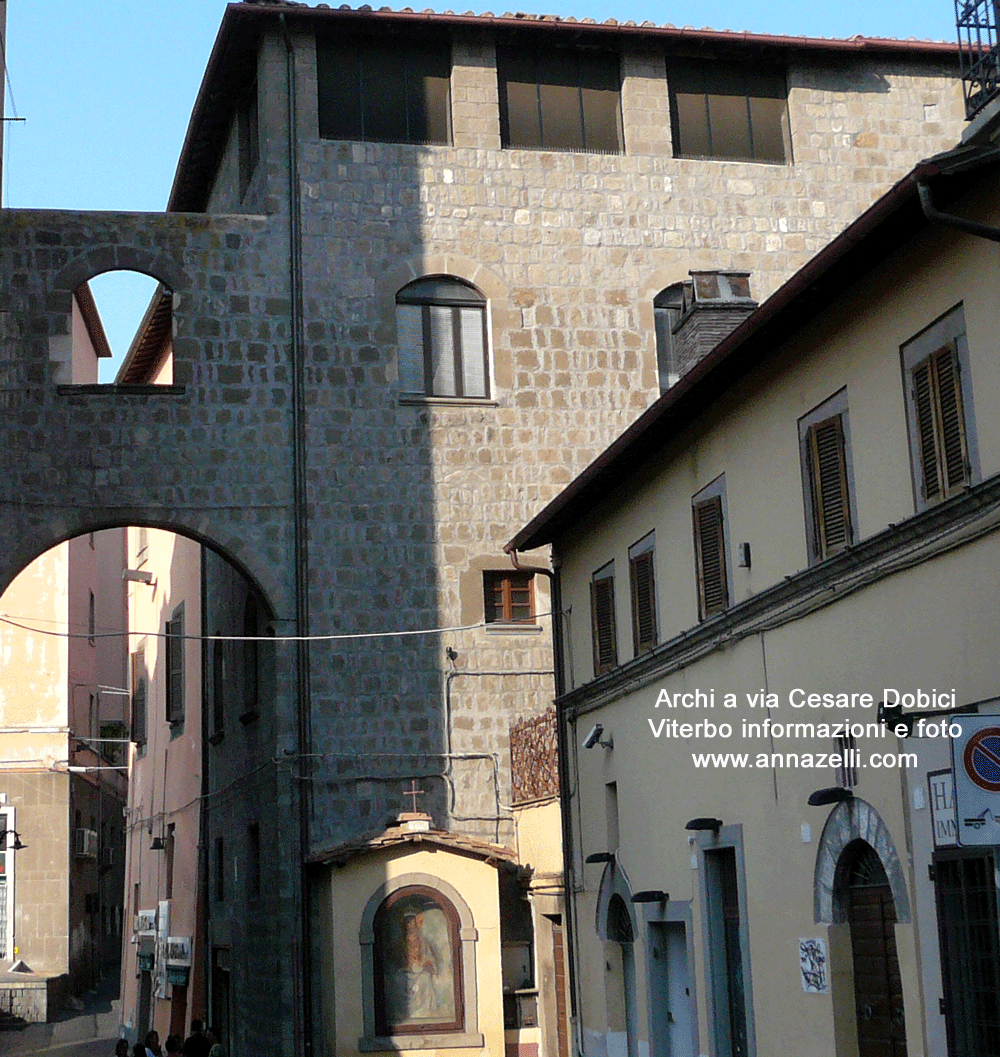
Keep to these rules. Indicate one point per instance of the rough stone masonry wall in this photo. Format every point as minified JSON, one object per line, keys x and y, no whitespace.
{"x":411,"y":501}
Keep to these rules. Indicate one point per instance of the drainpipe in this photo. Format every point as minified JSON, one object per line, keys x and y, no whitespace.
{"x":304,"y":700}
{"x":562,"y":751}
{"x":970,"y":227}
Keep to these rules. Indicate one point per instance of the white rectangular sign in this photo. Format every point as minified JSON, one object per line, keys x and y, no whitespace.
{"x":941,"y":793}
{"x":975,"y":759}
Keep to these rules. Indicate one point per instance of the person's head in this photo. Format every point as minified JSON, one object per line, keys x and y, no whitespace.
{"x":174,"y":1044}
{"x":121,"y":1048}
{"x":152,"y":1040}
{"x":197,"y":1027}
{"x":138,"y":1050}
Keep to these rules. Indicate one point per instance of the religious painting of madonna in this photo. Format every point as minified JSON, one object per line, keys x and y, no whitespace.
{"x":417,"y":970}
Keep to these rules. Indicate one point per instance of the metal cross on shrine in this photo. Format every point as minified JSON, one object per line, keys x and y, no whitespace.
{"x":414,"y":792}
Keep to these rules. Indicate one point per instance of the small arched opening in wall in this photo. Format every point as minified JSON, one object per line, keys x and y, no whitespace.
{"x":121,"y":331}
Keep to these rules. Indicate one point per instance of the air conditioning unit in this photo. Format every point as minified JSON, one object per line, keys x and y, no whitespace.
{"x":108,"y":855}
{"x":86,"y":844}
{"x":145,"y":922}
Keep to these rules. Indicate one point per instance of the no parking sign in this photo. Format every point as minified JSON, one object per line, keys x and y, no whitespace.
{"x":976,"y":763}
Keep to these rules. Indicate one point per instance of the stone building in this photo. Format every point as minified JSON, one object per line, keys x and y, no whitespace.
{"x":417,"y":266}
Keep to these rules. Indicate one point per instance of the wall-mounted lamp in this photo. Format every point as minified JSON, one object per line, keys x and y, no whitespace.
{"x":595,"y":738}
{"x":600,"y":856}
{"x":651,"y":895}
{"x":17,"y":845}
{"x":714,"y":824}
{"x":159,"y":844}
{"x":892,"y":716}
{"x":835,"y":794}
{"x":138,"y":576}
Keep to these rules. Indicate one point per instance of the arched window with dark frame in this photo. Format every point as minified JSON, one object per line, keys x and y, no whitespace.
{"x":441,"y":333}
{"x":417,"y":964}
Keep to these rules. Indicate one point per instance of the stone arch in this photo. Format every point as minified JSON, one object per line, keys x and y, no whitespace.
{"x":614,"y":882}
{"x":851,"y":821}
{"x":96,"y":260}
{"x":243,"y":555}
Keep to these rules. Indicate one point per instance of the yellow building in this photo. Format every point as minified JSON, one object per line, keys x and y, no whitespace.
{"x":793,"y":541}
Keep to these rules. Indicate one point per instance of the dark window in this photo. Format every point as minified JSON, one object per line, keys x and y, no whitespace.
{"x":559,"y":99}
{"x":383,"y":90}
{"x":218,"y":687}
{"x":602,"y":617}
{"x":710,"y":555}
{"x":939,"y":410}
{"x":247,"y":137}
{"x":220,"y":870}
{"x":139,"y":701}
{"x":965,"y":887}
{"x":721,"y":109}
{"x":92,"y":620}
{"x":251,"y":659}
{"x":642,"y":586}
{"x":828,"y":492}
{"x":253,"y":855}
{"x":417,"y":964}
{"x":169,"y":850}
{"x":940,"y":423}
{"x":668,"y":306}
{"x":441,"y":333}
{"x":509,"y":597}
{"x":846,"y":747}
{"x":175,"y":668}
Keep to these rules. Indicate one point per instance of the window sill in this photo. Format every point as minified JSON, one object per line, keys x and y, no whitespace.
{"x":415,"y":400}
{"x":500,"y":628}
{"x":737,"y":161}
{"x":421,"y":1041}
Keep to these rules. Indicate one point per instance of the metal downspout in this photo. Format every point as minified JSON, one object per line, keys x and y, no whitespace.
{"x":302,"y":653}
{"x":970,"y":227}
{"x":562,"y":750}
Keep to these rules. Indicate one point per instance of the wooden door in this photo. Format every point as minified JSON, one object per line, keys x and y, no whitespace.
{"x":878,"y":989}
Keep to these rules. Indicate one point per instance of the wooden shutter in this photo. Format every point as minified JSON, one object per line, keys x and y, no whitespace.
{"x":940,"y":424}
{"x":831,"y":510}
{"x":175,"y":669}
{"x":602,"y":611}
{"x":710,"y":557}
{"x":139,"y":699}
{"x":643,"y":602}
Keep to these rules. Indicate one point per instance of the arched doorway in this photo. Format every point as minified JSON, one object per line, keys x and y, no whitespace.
{"x":866,"y":896}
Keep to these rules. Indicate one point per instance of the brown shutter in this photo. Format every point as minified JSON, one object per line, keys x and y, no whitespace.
{"x":710,"y":557}
{"x":954,"y":458}
{"x":937,"y":400}
{"x":643,"y":602}
{"x":175,"y":670}
{"x":828,"y":477}
{"x":602,"y":611}
{"x":139,"y":699}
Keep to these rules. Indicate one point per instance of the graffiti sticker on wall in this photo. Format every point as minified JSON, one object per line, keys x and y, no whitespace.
{"x":812,"y":964}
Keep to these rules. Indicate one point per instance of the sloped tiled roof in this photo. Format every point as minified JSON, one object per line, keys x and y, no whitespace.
{"x":395,"y":836}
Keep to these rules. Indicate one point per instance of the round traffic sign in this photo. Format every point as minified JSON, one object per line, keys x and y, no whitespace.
{"x":982,"y":759}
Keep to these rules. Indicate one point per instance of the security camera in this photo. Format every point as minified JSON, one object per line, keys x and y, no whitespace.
{"x":594,"y":737}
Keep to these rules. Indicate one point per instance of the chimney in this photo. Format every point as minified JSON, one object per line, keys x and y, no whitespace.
{"x":714,"y":304}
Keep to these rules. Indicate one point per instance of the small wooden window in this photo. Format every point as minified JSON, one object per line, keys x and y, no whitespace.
{"x":417,"y":964}
{"x":940,"y":425}
{"x":388,"y":91}
{"x":139,"y":700}
{"x":827,"y":468}
{"x":441,"y":334}
{"x":559,"y":99}
{"x":710,"y":557}
{"x":642,"y":584}
{"x":509,"y":597}
{"x":175,"y":669}
{"x":602,"y":613}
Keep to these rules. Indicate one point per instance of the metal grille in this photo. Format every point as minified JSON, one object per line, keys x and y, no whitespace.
{"x":534,"y":764}
{"x":977,"y":40}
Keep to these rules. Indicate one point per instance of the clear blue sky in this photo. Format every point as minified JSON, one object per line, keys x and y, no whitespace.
{"x":107,"y":86}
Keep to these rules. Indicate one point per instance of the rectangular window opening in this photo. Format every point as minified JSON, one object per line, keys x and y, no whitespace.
{"x":602,"y":613}
{"x":710,"y":547}
{"x":642,"y":586}
{"x":509,"y":597}
{"x":560,"y":99}
{"x":175,"y":668}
